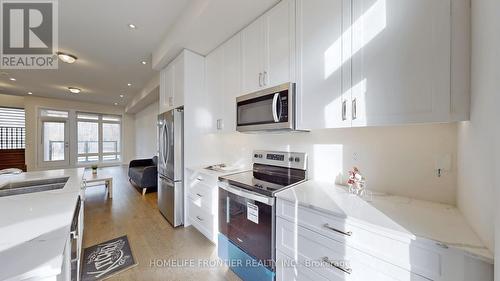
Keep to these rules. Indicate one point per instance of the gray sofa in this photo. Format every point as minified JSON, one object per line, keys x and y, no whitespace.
{"x":143,"y":173}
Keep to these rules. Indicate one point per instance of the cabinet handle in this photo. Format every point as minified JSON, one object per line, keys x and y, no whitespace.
{"x":354,"y":110}
{"x":339,"y":267}
{"x":264,"y":78}
{"x":199,"y":195}
{"x":260,"y":79}
{"x":346,"y":233}
{"x":199,"y":179}
{"x":344,"y":110}
{"x":198,"y":217}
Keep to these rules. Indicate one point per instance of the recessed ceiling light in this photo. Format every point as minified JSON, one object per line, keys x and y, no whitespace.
{"x":144,"y":62}
{"x":121,"y":96}
{"x":74,"y":90}
{"x":12,"y":79}
{"x":115,"y":103}
{"x":129,"y":84}
{"x":30,"y":93}
{"x":67,"y":58}
{"x":132,"y":26}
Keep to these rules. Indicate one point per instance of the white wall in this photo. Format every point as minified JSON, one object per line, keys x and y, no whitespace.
{"x":146,"y":136}
{"x":11,"y":101}
{"x":399,"y":160}
{"x":476,"y":138}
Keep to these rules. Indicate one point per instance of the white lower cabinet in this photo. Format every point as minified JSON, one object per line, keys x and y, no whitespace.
{"x":201,"y":197}
{"x":316,"y":245}
{"x":291,"y":270}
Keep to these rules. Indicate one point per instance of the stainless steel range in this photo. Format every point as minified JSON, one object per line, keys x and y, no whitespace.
{"x":247,"y":211}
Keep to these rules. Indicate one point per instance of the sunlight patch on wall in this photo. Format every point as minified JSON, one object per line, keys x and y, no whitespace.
{"x":328,"y":162}
{"x":369,"y":25}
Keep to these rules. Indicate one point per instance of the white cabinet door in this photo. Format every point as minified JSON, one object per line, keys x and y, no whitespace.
{"x":178,"y":81}
{"x":253,"y":56}
{"x":170,"y":80}
{"x":167,"y":88}
{"x":232,"y":84}
{"x":323,"y":63}
{"x":401,"y":61}
{"x":163,"y":104}
{"x":214,"y":69}
{"x":279,"y":44}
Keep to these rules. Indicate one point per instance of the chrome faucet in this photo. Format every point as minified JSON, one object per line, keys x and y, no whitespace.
{"x":11,"y":171}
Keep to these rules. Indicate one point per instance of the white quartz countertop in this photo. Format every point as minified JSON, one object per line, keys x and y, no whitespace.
{"x":217,"y":174}
{"x":411,"y":218}
{"x":34,"y":227}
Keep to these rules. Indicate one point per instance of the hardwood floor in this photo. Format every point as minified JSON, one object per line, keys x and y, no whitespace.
{"x":150,"y":235}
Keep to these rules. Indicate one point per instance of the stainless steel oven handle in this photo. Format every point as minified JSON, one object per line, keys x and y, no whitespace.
{"x":275,"y":111}
{"x":249,"y":195}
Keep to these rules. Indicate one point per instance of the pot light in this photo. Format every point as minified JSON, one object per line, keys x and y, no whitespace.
{"x":121,"y":96}
{"x":30,"y":93}
{"x":132,"y":26}
{"x":74,"y":90}
{"x":12,"y":79}
{"x":144,"y":62}
{"x":129,"y":84}
{"x":67,"y":58}
{"x":115,"y":103}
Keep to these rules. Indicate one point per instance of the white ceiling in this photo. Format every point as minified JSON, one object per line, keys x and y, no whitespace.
{"x":109,"y":54}
{"x":205,"y":24}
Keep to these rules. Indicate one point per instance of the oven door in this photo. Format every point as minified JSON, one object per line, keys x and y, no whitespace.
{"x":247,"y":220}
{"x":269,"y":109}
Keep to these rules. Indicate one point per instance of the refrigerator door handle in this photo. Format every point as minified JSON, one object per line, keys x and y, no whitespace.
{"x":165,"y":145}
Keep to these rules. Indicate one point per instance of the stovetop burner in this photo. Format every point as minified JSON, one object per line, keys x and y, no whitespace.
{"x":272,"y":172}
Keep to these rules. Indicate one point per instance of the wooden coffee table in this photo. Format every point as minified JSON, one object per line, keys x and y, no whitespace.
{"x":89,"y":177}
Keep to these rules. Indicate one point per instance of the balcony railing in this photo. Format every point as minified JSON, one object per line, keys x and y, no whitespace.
{"x":12,"y":138}
{"x":56,"y":150}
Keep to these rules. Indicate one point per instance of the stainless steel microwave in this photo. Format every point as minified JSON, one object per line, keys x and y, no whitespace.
{"x":271,"y":109}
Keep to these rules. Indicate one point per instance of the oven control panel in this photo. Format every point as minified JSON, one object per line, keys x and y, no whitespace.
{"x":295,"y":160}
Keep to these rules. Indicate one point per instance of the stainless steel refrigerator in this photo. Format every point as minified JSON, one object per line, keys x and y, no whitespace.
{"x":170,"y":166}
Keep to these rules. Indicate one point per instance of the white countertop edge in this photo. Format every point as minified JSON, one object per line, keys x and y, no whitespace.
{"x":49,"y":269}
{"x":217,"y":174}
{"x":481,"y":254}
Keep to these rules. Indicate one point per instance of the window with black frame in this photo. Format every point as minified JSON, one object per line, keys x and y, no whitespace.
{"x":12,"y":128}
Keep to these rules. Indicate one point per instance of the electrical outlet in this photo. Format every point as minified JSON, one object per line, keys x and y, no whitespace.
{"x":442,"y":164}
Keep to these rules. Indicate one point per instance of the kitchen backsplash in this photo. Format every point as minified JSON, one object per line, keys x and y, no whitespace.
{"x":397,"y":160}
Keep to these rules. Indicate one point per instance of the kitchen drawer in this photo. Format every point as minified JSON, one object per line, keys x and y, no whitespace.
{"x":196,"y":177}
{"x":422,"y":259}
{"x":289,"y":270}
{"x":204,"y":197}
{"x":318,"y":252}
{"x":203,"y":221}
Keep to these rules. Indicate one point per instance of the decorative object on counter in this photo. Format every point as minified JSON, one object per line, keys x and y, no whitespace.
{"x":94,"y":169}
{"x":106,"y":259}
{"x":357,"y":184}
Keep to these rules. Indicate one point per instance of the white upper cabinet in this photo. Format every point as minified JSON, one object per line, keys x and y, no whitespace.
{"x":167,"y":88}
{"x":280,"y":44}
{"x":214,"y":86}
{"x":223,"y":85}
{"x":232,"y":84}
{"x":381,"y":62}
{"x":268,"y":48}
{"x":252,"y":51}
{"x":320,"y":99}
{"x":173,"y":80}
{"x":179,"y":76}
{"x":400,"y":61}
